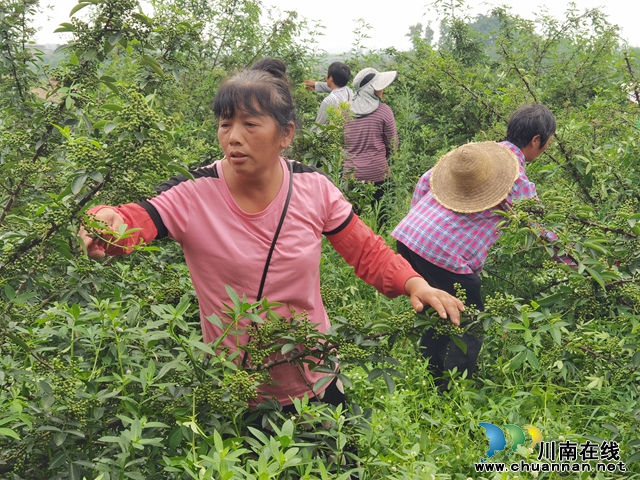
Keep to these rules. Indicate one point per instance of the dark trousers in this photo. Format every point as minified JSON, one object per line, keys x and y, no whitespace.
{"x":443,"y":353}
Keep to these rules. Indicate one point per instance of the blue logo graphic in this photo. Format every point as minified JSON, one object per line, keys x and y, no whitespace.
{"x":498,"y":440}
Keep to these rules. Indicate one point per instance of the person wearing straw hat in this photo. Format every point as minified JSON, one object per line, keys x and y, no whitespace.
{"x":451,"y":225}
{"x":371,"y":134}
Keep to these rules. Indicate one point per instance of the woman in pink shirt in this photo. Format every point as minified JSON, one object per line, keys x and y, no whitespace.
{"x":254,"y":205}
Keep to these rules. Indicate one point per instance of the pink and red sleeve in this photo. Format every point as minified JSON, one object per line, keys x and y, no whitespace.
{"x":372,"y":259}
{"x":135,"y":217}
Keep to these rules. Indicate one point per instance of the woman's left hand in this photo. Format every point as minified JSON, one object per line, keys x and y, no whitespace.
{"x":422,"y":295}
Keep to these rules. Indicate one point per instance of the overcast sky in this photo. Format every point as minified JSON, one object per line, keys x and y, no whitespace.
{"x":390,"y":20}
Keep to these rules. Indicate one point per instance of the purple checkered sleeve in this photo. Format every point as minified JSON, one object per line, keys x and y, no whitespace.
{"x":422,"y":187}
{"x":454,"y":241}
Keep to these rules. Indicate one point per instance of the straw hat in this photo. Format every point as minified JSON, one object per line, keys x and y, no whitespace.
{"x":474,"y":177}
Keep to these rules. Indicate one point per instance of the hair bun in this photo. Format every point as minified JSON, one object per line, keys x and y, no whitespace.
{"x":272,"y":66}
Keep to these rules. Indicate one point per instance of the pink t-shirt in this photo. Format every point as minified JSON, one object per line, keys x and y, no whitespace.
{"x":224,"y":245}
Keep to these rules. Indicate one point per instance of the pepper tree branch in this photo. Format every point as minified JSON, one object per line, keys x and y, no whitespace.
{"x":633,"y":78}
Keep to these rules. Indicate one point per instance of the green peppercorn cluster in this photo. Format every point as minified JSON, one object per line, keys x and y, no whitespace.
{"x":231,"y":393}
{"x":624,"y":211}
{"x":172,"y":288}
{"x":356,"y":317}
{"x":444,"y":328}
{"x":583,"y":298}
{"x":137,"y":156}
{"x":551,"y":272}
{"x":266,"y":338}
{"x":350,"y":352}
{"x":241,"y":386}
{"x":331,"y":297}
{"x":402,"y":323}
{"x":85,"y":153}
{"x":630,"y":292}
{"x":548,"y":356}
{"x":79,"y":409}
{"x":500,"y":304}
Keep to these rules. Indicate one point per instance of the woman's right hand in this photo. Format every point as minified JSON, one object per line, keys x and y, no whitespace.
{"x":95,"y":246}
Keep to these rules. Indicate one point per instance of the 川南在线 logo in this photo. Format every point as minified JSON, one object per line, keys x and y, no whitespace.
{"x":498,"y":439}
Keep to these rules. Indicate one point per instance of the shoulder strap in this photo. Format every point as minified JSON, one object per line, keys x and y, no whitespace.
{"x":273,"y":243}
{"x":275,"y":236}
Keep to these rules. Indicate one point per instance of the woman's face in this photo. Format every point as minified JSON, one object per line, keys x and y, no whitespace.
{"x":252,"y":143}
{"x":379,"y":93}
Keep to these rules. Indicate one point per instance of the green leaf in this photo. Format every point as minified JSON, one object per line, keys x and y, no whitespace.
{"x":65,"y":27}
{"x":115,"y":38}
{"x":596,"y":276}
{"x":550,"y":300}
{"x":78,"y":183}
{"x":233,"y":296}
{"x":78,"y":7}
{"x":109,"y":126}
{"x":174,"y":167}
{"x":532,"y":359}
{"x":111,"y":87}
{"x":17,"y":340}
{"x":114,"y":107}
{"x":9,"y":292}
{"x":112,"y":439}
{"x":175,"y":437}
{"x":460,"y":343}
{"x":202,"y":346}
{"x":391,"y":384}
{"x":143,"y":19}
{"x":96,"y":175}
{"x":59,"y":438}
{"x":517,"y":361}
{"x":58,"y":460}
{"x":215,"y":319}
{"x":514,"y":326}
{"x":322,"y":381}
{"x":153,"y":63}
{"x":7,"y":432}
{"x":287,"y":348}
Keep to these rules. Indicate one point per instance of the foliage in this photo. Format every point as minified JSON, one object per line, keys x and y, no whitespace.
{"x":103,"y":370}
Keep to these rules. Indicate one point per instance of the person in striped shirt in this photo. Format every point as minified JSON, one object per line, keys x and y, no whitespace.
{"x":451,"y":225}
{"x":338,"y":75}
{"x":370,"y":135}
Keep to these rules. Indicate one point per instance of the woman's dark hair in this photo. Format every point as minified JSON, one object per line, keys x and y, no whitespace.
{"x":274,"y":66}
{"x":340,"y":72}
{"x":256,"y":92}
{"x":529,"y":121}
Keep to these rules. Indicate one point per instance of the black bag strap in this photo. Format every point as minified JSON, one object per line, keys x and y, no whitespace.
{"x":273,"y":244}
{"x":275,"y":236}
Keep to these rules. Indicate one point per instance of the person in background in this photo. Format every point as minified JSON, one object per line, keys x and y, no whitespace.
{"x":370,"y":135}
{"x":254,"y":221}
{"x":338,"y":75}
{"x":451,"y":225}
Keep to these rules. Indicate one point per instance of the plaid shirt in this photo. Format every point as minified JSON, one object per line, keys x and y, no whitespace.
{"x":457,"y":242}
